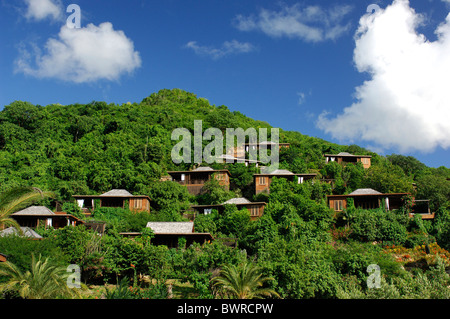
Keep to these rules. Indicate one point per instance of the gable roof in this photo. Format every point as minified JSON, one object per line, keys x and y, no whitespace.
{"x":34,"y":211}
{"x":202,"y":169}
{"x":171,"y":227}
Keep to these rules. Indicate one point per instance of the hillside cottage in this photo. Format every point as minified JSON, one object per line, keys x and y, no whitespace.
{"x":35,"y":216}
{"x":344,"y":158}
{"x":120,"y":198}
{"x":263,"y":180}
{"x":169,"y":233}
{"x":256,"y":209}
{"x":195,"y":179}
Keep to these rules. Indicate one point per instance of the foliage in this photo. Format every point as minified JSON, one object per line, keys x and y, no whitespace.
{"x":43,"y":281}
{"x":243,"y":282}
{"x":299,"y":242}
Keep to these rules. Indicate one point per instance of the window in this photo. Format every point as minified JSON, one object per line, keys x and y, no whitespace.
{"x":207,"y":211}
{"x":254,"y":211}
{"x":137,"y":203}
{"x":262,"y":180}
{"x":338,"y":205}
{"x":300,"y":179}
{"x":183,"y":177}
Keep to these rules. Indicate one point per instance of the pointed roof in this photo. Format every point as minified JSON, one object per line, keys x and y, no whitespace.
{"x":34,"y":211}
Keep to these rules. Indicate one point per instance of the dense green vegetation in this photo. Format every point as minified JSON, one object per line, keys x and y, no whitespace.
{"x":306,"y":249}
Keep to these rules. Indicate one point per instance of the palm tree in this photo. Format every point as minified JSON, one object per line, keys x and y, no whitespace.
{"x":43,"y":281}
{"x":243,"y":282}
{"x":16,"y":199}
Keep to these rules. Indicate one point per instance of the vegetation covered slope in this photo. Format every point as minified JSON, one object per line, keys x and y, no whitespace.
{"x":299,"y":242}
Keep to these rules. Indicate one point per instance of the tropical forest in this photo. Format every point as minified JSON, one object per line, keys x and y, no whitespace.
{"x":299,"y":248}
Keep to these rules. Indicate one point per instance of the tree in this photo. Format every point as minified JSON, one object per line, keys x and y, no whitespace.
{"x":16,"y":199}
{"x":43,"y":281}
{"x":244,"y":281}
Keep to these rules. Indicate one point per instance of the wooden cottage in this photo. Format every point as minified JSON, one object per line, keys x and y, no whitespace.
{"x":35,"y":216}
{"x":262,"y":181}
{"x":367,"y":198}
{"x":120,"y":198}
{"x":256,"y":209}
{"x":344,"y":158}
{"x":195,"y":179}
{"x":168,"y":233}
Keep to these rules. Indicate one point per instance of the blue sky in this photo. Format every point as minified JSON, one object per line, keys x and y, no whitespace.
{"x":324,"y":68}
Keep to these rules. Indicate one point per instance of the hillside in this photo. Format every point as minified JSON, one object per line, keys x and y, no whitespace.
{"x":309,"y":250}
{"x":91,"y":148}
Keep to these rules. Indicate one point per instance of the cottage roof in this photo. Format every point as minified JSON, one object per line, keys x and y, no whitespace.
{"x":34,"y":211}
{"x":265,"y":170}
{"x":202,"y":168}
{"x":171,"y":227}
{"x":365,"y":191}
{"x":118,"y":193}
{"x":346,"y":154}
{"x":237,"y":200}
{"x":27,"y":232}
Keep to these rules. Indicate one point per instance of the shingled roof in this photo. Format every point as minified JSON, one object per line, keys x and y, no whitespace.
{"x":118,"y":193}
{"x":34,"y":211}
{"x":171,"y":227}
{"x":237,"y":200}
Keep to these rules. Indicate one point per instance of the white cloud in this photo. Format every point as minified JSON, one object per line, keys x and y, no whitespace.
{"x":311,"y":23}
{"x":82,"y":55}
{"x":43,"y":9}
{"x":406,"y":103}
{"x":227,"y":48}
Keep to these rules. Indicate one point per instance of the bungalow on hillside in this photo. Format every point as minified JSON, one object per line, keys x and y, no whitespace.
{"x":3,"y":258}
{"x":195,"y":179}
{"x":120,"y":198}
{"x":264,"y":179}
{"x":256,"y":209}
{"x":344,"y":158}
{"x":35,"y":216}
{"x":169,"y":233}
{"x":368,"y":198}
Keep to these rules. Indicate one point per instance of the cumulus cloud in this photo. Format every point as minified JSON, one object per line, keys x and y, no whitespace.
{"x":311,"y":23}
{"x":227,"y":48}
{"x":406,"y":102}
{"x":43,"y":9}
{"x":82,"y":55}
